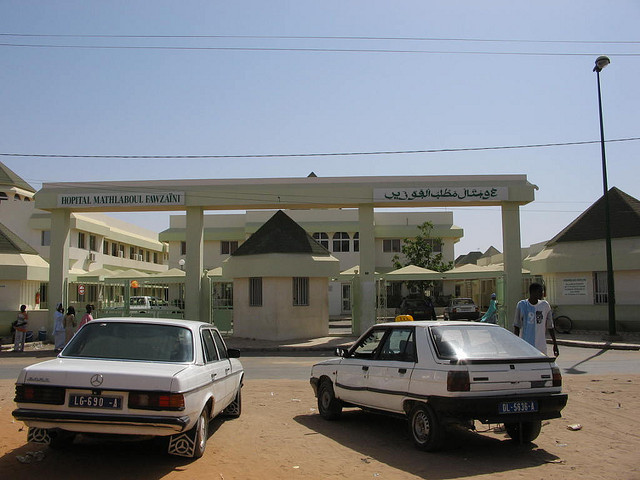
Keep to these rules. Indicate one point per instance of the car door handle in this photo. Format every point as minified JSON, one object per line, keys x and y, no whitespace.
{"x":365,"y":368}
{"x":402,"y":370}
{"x":226,"y":370}
{"x":213,"y":376}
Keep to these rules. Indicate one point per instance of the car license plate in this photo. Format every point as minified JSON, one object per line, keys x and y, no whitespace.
{"x":95,"y":401}
{"x":522,"y":406}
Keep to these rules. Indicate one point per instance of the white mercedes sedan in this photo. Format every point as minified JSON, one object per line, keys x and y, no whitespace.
{"x":441,"y":373}
{"x":135,"y":377}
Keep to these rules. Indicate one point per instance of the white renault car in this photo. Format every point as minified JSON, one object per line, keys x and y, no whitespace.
{"x":441,"y":373}
{"x":135,"y":377}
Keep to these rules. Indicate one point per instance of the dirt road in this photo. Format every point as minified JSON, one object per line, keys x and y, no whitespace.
{"x":281,"y":436}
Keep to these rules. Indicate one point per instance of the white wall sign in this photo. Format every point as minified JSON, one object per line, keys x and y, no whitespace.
{"x":442,"y":194}
{"x":127,"y":199}
{"x":574,"y":286}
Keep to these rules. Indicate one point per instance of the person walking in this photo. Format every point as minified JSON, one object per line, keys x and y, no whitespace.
{"x":533,"y":319}
{"x":87,"y":317}
{"x":491,"y":315}
{"x":70,"y":323}
{"x":21,"y":329}
{"x":59,"y":334}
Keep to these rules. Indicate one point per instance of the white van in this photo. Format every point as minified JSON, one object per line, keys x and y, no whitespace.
{"x":145,"y":304}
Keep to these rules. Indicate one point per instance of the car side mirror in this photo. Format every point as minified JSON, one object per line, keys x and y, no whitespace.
{"x":233,"y":352}
{"x":342,"y":352}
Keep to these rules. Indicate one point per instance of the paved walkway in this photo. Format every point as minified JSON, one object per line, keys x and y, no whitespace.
{"x":577,"y":338}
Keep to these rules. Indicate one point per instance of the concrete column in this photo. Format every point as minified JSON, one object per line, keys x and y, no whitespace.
{"x":58,"y":261}
{"x":365,"y":311}
{"x":512,"y":259}
{"x":194,"y":263}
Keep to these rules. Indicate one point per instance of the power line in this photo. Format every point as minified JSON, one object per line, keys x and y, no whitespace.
{"x":311,"y":50}
{"x":331,"y":154}
{"x":327,"y":37}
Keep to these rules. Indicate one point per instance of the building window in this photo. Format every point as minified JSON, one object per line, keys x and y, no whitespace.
{"x":300,"y":291}
{"x":356,"y":242}
{"x":322,"y":238}
{"x":391,"y":245}
{"x":92,"y":243}
{"x":81,"y":240}
{"x":183,"y":248}
{"x":148,"y":256}
{"x":341,"y":242}
{"x":114,"y":249}
{"x":121,"y":251}
{"x":45,"y":238}
{"x":600,"y":290}
{"x":227,"y":248}
{"x":436,"y":245}
{"x":132,"y":253}
{"x":255,"y":291}
{"x":105,"y":247}
{"x":155,"y":257}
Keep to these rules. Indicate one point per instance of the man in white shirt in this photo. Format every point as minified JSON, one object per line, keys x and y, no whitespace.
{"x":534,"y":318}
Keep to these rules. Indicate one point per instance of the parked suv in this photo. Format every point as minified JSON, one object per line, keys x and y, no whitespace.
{"x":461,"y":309}
{"x":418,"y":308}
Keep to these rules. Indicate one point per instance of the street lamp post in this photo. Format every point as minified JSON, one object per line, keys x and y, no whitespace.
{"x":602,"y":62}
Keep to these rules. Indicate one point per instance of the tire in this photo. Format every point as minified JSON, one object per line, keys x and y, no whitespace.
{"x":424,"y":428}
{"x":523,"y":432}
{"x":234,"y":409}
{"x":562,"y":324}
{"x":329,"y":406}
{"x":201,"y":430}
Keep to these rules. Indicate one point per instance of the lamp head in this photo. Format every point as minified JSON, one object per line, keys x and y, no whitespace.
{"x":601,"y":62}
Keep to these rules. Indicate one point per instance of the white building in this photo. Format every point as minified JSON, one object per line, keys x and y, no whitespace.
{"x":335,"y":229}
{"x":97,"y":242}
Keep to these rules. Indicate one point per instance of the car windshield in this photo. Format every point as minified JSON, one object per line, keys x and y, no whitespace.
{"x":480,"y":342}
{"x":132,"y":341}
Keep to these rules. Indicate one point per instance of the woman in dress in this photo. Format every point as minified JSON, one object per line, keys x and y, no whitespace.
{"x":70,"y":324}
{"x":87,"y":317}
{"x":59,"y":334}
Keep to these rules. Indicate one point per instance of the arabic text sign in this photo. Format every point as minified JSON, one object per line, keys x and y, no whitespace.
{"x":121,"y":199}
{"x":441,"y":194}
{"x":574,"y":286}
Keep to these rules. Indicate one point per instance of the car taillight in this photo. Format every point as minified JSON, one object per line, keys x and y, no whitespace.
{"x":39,"y":394}
{"x":156,"y":401}
{"x":557,"y":377}
{"x":458,"y":381}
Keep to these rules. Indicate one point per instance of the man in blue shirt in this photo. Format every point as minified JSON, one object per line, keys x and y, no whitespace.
{"x":533,"y":319}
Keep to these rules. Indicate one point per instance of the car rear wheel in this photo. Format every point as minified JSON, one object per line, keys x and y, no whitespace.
{"x":523,"y":432}
{"x":424,"y":428}
{"x":329,"y":406}
{"x":201,"y":434}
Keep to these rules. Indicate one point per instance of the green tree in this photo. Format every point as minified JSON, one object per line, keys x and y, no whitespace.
{"x":419,"y":251}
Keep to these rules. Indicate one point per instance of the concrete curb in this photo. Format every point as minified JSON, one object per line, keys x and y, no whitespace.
{"x":602,"y":345}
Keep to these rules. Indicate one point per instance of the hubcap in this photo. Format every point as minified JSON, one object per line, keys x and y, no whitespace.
{"x":421,"y":427}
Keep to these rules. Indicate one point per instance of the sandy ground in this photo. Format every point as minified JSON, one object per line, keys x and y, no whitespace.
{"x":281,"y":436}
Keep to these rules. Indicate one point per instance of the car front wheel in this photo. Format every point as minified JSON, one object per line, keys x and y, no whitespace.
{"x":329,"y":406}
{"x":524,"y":432}
{"x":424,"y":428}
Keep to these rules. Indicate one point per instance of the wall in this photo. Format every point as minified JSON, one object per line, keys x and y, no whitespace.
{"x":277,"y":318}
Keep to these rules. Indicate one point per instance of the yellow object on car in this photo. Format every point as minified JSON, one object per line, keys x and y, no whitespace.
{"x":404,"y":318}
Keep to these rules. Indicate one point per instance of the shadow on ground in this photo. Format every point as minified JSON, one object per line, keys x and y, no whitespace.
{"x":463,"y":454}
{"x":96,"y":459}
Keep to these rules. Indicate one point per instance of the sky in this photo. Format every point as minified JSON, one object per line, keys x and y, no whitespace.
{"x":216,"y":78}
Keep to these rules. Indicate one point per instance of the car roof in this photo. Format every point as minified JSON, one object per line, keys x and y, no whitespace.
{"x":435,"y":323}
{"x":191,"y":324}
